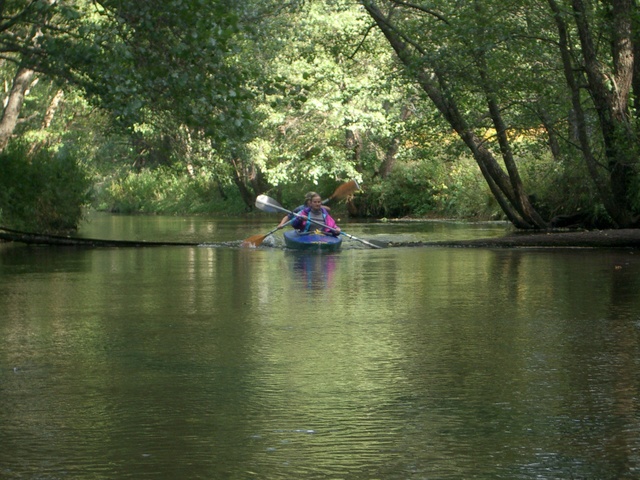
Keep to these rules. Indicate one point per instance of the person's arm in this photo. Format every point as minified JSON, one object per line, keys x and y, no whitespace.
{"x":290,"y":216}
{"x":284,"y":221}
{"x":298,"y":221}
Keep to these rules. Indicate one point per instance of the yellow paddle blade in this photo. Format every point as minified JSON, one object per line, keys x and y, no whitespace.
{"x":254,"y":241}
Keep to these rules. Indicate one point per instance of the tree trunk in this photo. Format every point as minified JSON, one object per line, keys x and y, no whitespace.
{"x":520,"y":199}
{"x":610,"y":92}
{"x":577,"y":117}
{"x":47,"y":119}
{"x":389,"y":158}
{"x":353,"y":142}
{"x":21,"y":82}
{"x":514,"y":203}
{"x":552,"y":137}
{"x":51,"y":110}
{"x":392,"y":150}
{"x":11,"y":113}
{"x":257,"y":180}
{"x":239,"y":177}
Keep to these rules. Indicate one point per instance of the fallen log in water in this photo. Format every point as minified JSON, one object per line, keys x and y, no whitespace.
{"x":30,"y":238}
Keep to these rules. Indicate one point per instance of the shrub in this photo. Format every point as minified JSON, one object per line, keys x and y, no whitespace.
{"x":165,"y":191}
{"x":44,"y":192}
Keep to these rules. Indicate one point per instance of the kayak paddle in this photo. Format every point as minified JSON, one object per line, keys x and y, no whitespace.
{"x":256,"y":240}
{"x":268,"y":204}
{"x":343,"y":191}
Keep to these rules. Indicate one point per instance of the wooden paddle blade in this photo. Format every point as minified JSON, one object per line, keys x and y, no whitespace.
{"x":254,"y":241}
{"x":345,"y":190}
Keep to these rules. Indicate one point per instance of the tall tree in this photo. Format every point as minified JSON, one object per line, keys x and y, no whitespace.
{"x":608,"y":71}
{"x":485,"y":60}
{"x":435,"y":75}
{"x":21,"y":33}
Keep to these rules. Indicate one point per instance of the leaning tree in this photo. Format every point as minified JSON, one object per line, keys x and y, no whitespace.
{"x":483,"y":63}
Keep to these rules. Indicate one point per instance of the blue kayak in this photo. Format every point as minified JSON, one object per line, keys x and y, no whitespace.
{"x":311,"y":241}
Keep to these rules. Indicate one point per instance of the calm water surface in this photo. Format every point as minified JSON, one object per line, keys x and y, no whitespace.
{"x":221,"y":362}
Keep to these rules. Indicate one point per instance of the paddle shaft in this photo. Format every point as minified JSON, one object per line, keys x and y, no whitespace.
{"x":278,"y":228}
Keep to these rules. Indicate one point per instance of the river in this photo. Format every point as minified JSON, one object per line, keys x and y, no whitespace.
{"x":224,"y":362}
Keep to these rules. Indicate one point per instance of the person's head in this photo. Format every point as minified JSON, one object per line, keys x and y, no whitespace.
{"x":315,"y":202}
{"x":307,"y":198}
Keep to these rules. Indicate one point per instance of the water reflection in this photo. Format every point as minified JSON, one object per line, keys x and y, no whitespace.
{"x":264,"y":363}
{"x":315,"y":271}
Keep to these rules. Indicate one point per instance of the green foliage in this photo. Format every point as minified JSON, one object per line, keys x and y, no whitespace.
{"x":499,"y":70}
{"x":197,"y":98}
{"x":163,"y":190}
{"x":41,"y":192}
{"x":409,"y":190}
{"x":136,"y":58}
{"x":322,"y":85}
{"x":561,"y":188}
{"x":430,"y":188}
{"x":463,"y":193}
{"x":292,"y":194}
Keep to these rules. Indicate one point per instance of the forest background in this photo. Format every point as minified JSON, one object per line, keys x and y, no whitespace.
{"x":525,"y":110}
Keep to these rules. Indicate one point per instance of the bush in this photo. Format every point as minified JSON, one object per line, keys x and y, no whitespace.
{"x":451,"y":189}
{"x":43,"y":192}
{"x":165,"y":191}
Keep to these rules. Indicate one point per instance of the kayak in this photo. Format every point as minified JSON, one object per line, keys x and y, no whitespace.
{"x":311,"y":241}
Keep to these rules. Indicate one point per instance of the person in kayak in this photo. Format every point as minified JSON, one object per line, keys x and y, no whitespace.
{"x":307,"y":202}
{"x":315,"y":212}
